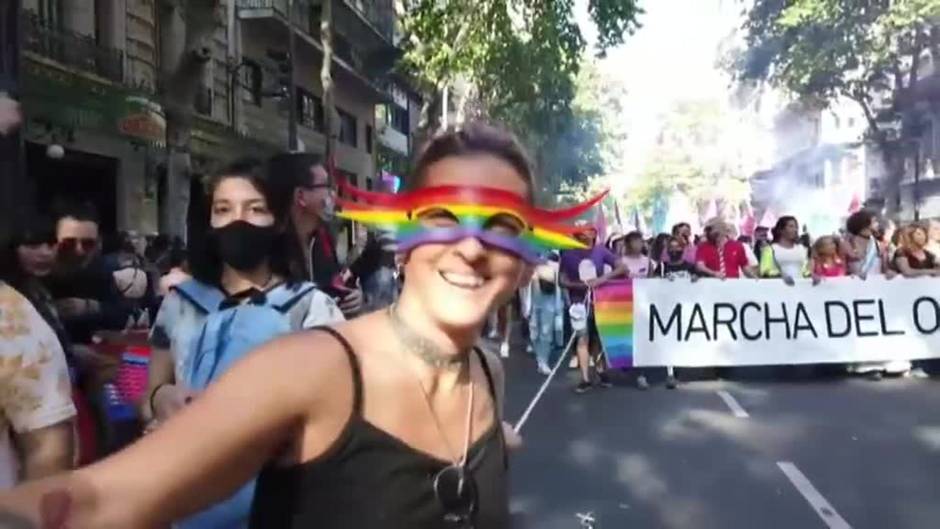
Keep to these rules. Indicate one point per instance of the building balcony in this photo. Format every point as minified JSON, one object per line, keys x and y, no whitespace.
{"x":393,"y":139}
{"x":70,"y":49}
{"x":380,"y":14}
{"x":362,"y":30}
{"x":363,"y":18}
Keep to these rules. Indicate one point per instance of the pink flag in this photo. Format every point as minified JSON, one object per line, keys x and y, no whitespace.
{"x":749,"y":222}
{"x":769,"y":219}
{"x":855,"y":204}
{"x":600,"y":223}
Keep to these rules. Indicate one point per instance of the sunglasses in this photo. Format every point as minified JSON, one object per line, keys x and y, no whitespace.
{"x":456,"y":491}
{"x":72,"y":243}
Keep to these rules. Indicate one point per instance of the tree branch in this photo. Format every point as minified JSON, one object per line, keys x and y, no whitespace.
{"x":862,"y":101}
{"x":919,"y":44}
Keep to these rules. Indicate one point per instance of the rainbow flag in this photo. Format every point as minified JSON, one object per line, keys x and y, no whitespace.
{"x":613,"y":312}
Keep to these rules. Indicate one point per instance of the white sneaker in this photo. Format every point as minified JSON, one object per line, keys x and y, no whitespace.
{"x":504,"y":350}
{"x":544,"y":369}
{"x":573,"y":363}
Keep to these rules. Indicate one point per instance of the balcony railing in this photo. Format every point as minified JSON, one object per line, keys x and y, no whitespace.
{"x":380,"y":13}
{"x":278,"y":6}
{"x":72,"y":49}
{"x":305,"y":16}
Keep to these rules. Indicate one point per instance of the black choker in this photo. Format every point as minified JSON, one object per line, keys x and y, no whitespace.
{"x":423,"y":348}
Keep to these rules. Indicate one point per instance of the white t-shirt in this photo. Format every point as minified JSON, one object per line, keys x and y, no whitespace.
{"x":637,"y":266}
{"x":792,"y":261}
{"x":35,"y":390}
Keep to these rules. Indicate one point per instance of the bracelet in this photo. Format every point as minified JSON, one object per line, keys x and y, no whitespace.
{"x":153,"y":394}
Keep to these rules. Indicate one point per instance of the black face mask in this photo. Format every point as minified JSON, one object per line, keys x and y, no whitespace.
{"x":243,"y":245}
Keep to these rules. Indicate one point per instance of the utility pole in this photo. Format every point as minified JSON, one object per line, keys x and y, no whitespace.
{"x":916,"y":145}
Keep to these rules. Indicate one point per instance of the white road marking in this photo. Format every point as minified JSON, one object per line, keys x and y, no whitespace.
{"x":816,"y":500}
{"x":736,"y":408}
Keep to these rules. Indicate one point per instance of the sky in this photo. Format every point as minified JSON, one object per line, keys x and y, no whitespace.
{"x":672,"y":57}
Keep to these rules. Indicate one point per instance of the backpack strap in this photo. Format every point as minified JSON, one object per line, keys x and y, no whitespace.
{"x":205,"y":297}
{"x":283,"y":297}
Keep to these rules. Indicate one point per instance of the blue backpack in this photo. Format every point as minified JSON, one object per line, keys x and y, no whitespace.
{"x":226,"y":336}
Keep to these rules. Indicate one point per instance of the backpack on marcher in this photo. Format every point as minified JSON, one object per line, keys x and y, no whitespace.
{"x":227,"y":335}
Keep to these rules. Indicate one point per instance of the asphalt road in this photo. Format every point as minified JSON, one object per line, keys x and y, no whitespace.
{"x":865,"y":455}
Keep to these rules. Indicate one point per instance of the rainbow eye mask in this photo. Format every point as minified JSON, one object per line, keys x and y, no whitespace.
{"x":447,"y":214}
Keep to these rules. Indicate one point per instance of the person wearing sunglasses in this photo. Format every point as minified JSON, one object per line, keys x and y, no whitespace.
{"x":303,"y":185}
{"x":81,"y":284}
{"x":392,"y":420}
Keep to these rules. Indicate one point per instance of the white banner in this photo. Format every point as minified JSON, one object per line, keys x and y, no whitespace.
{"x":759,"y":322}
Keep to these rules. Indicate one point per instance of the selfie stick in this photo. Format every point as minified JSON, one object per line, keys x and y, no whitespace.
{"x":548,"y":380}
{"x":588,"y":300}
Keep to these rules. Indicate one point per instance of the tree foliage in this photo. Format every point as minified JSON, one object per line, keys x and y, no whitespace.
{"x":695,"y":157}
{"x":865,"y":50}
{"x":522,"y":57}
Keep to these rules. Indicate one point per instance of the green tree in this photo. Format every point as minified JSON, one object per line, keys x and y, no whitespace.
{"x":866,"y":50}
{"x":694,"y":156}
{"x":587,"y":155}
{"x":521,"y":56}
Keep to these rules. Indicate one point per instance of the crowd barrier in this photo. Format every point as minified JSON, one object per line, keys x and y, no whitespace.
{"x":746,"y":322}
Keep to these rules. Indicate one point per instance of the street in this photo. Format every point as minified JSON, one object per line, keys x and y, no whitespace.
{"x":808,"y":453}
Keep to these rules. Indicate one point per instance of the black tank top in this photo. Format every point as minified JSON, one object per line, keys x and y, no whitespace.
{"x":369,"y":479}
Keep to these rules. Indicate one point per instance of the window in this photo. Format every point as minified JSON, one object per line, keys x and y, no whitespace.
{"x":309,"y":110}
{"x":252,"y":79}
{"x":369,"y":139}
{"x":204,"y":101}
{"x":397,"y":117}
{"x":348,"y":130}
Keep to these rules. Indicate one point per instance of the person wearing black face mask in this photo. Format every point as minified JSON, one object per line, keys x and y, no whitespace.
{"x":242,"y":245}
{"x":674,"y":264}
{"x":245,"y":252}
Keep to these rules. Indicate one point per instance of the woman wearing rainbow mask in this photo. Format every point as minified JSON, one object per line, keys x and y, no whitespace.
{"x":392,"y":420}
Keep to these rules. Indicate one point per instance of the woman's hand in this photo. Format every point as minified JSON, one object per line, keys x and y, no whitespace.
{"x":169,"y":399}
{"x":788,"y":280}
{"x":817,"y":279}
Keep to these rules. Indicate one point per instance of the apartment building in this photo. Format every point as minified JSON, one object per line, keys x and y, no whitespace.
{"x":89,"y":77}
{"x":917,"y":193}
